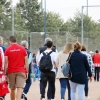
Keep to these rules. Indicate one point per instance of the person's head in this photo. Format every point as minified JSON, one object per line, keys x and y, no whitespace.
{"x":24,"y":43}
{"x":34,"y":55}
{"x":68,"y":48}
{"x":49,"y":44}
{"x":77,"y":46}
{"x":12,"y":39}
{"x":1,"y":40}
{"x":83,"y":48}
{"x":97,"y":51}
{"x":47,"y":39}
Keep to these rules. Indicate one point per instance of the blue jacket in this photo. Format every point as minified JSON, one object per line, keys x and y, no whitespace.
{"x":79,"y":67}
{"x":4,"y":48}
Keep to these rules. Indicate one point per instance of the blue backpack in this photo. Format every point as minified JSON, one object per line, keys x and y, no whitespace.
{"x":46,"y":63}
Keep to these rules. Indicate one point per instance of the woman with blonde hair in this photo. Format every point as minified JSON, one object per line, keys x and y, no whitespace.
{"x":64,"y":81}
{"x":79,"y":68}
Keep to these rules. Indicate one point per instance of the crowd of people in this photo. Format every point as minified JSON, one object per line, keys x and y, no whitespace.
{"x":18,"y":67}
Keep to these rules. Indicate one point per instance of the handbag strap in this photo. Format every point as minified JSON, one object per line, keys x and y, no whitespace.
{"x":70,"y":54}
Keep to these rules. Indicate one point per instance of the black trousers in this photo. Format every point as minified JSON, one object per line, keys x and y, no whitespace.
{"x":49,"y":91}
{"x":48,"y":76}
{"x":86,"y":88}
{"x":96,"y":78}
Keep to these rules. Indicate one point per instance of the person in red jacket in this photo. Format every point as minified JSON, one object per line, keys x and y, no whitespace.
{"x":96,"y":60}
{"x":3,"y":85}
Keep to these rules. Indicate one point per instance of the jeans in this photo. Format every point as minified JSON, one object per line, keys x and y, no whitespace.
{"x":80,"y":91}
{"x":49,"y":76}
{"x":96,"y":74}
{"x":86,"y":88}
{"x":64,"y":82}
{"x":28,"y":84}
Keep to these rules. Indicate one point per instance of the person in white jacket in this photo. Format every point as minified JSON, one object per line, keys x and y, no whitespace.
{"x":64,"y":81}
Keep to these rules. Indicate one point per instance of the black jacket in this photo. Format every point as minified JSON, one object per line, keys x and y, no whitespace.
{"x":79,"y":67}
{"x":28,"y":52}
{"x":42,"y":49}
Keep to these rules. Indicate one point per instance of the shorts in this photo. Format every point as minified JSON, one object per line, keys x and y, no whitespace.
{"x":16,"y":80}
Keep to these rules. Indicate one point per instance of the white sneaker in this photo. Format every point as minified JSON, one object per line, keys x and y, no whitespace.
{"x":52,"y":99}
{"x":43,"y":98}
{"x":87,"y":98}
{"x":62,"y":99}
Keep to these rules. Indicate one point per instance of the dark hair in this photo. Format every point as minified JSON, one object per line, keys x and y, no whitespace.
{"x":12,"y":39}
{"x":97,"y":51}
{"x":34,"y":55}
{"x":49,"y":44}
{"x":77,"y":46}
{"x":83,"y":48}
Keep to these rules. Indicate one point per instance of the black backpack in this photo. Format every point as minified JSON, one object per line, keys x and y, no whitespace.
{"x":46,"y":63}
{"x":42,"y":49}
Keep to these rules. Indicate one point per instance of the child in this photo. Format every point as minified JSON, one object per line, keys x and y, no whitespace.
{"x":3,"y":85}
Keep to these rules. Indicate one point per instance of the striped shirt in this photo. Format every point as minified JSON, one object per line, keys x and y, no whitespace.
{"x":90,"y":61}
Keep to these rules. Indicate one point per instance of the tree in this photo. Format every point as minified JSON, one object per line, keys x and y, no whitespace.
{"x":54,"y":22}
{"x":30,"y":11}
{"x":5,"y":15}
{"x":74,"y":24}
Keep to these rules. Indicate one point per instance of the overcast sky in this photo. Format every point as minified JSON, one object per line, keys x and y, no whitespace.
{"x":67,"y":8}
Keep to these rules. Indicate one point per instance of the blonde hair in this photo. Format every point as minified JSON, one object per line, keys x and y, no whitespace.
{"x":77,"y":46}
{"x":68,"y":48}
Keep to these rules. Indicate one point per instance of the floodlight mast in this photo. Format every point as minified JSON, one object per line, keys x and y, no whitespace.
{"x":82,"y":22}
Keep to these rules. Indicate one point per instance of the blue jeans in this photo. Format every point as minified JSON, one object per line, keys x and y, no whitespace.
{"x":28,"y":84}
{"x":80,"y":87}
{"x":64,"y":82}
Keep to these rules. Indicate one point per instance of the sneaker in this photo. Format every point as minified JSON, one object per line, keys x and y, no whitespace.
{"x":87,"y":98}
{"x":62,"y":99}
{"x":1,"y":98}
{"x":23,"y":97}
{"x":43,"y":98}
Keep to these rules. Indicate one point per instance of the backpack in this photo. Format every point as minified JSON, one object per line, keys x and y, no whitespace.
{"x":1,"y":59}
{"x":46,"y":63}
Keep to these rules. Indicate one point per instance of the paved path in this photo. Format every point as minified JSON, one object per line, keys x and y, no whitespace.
{"x":33,"y":94}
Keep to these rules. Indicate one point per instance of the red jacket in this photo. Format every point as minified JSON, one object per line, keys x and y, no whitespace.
{"x":96,"y":59}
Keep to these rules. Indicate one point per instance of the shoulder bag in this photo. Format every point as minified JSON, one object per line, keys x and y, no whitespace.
{"x":66,"y":68}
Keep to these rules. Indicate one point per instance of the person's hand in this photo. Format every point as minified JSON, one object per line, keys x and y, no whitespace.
{"x":26,"y":76}
{"x":90,"y":79}
{"x":6,"y":77}
{"x":93,"y":75}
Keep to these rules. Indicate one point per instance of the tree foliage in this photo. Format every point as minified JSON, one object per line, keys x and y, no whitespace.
{"x":30,"y":11}
{"x":5,"y":15}
{"x":54,"y":22}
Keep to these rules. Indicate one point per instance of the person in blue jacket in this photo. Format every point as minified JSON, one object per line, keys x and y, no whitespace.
{"x":1,"y":44}
{"x":79,"y":68}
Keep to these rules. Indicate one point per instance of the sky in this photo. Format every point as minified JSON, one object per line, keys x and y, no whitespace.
{"x":67,"y":8}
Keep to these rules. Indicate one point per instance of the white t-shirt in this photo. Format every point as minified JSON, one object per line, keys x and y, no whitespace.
{"x":53,"y":58}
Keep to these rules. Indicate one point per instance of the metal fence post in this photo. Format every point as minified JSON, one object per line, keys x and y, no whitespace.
{"x":82,"y":37}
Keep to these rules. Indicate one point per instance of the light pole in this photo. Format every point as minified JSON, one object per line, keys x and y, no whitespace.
{"x":44,"y":19}
{"x":87,"y":7}
{"x":66,"y":37}
{"x":82,"y":25}
{"x":82,"y":21}
{"x":12,"y":20}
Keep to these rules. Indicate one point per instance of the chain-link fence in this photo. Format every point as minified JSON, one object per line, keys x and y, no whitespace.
{"x":60,"y":39}
{"x":20,"y":35}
